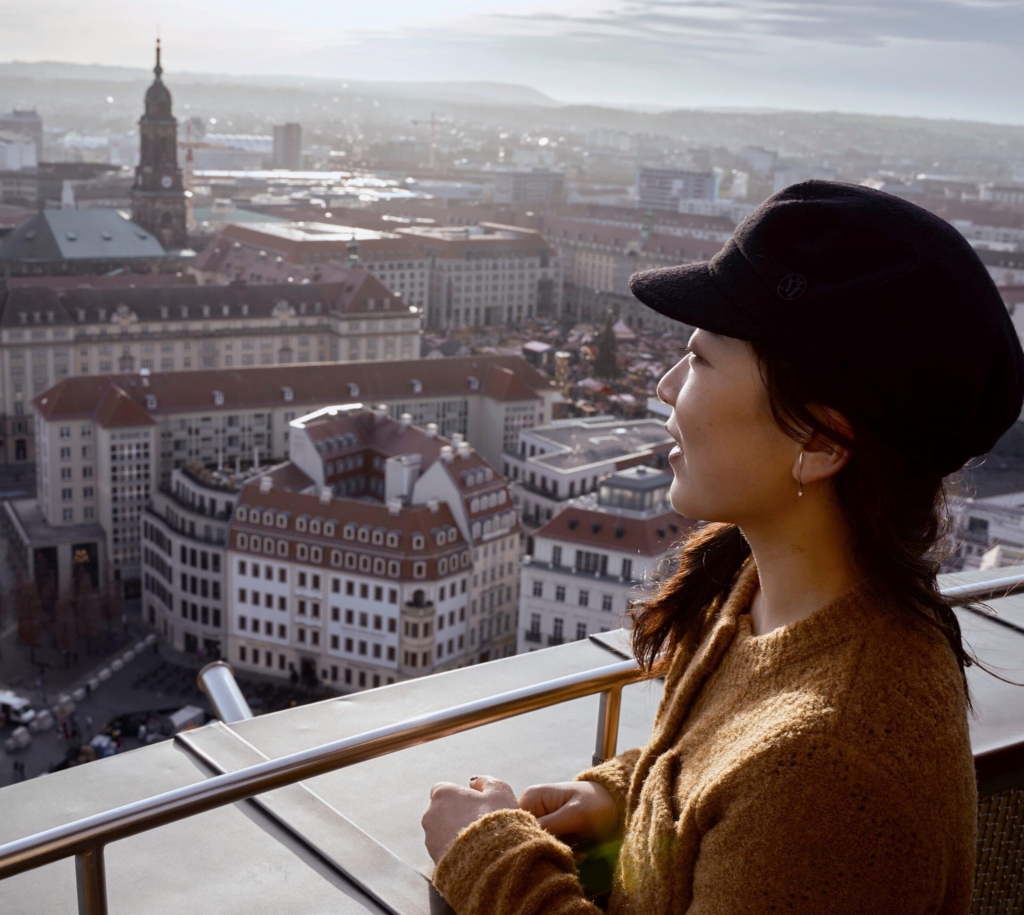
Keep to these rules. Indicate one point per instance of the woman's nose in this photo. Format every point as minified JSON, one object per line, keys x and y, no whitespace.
{"x":671,"y":382}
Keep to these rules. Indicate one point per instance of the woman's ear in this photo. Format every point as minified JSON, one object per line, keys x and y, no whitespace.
{"x":824,"y":458}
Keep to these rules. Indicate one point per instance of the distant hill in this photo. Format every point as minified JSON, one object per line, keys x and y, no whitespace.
{"x":483,"y":92}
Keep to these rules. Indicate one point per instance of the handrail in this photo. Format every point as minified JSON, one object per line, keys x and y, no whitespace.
{"x":85,"y":838}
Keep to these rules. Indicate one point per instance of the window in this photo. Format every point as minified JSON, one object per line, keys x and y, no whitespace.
{"x":584,"y":598}
{"x":606,"y":602}
{"x":68,"y":514}
{"x":560,"y":593}
{"x":627,"y":569}
{"x":538,"y":589}
{"x":556,"y":555}
{"x":559,"y":625}
{"x":581,"y":630}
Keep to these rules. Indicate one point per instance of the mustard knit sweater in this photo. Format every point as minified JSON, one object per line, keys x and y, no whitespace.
{"x":823,"y":768}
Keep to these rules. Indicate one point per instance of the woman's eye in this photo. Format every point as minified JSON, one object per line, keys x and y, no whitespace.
{"x":690,"y":352}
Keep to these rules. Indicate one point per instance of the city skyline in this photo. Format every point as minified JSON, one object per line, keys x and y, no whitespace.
{"x":937,"y":58}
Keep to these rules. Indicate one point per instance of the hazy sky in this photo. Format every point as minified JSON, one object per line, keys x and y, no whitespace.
{"x":956,"y":58}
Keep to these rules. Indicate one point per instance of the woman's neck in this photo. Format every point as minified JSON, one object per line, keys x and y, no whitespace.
{"x":804,"y":561}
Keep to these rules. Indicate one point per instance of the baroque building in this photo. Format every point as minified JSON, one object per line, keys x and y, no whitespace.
{"x":158,"y":196}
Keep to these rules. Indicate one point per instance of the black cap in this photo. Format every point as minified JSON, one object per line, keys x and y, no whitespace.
{"x":884,"y":306}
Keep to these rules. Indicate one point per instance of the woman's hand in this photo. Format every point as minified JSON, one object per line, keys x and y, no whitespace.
{"x":582,"y":812}
{"x":453,"y":808}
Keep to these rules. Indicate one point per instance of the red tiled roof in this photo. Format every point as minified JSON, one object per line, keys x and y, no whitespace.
{"x":645,"y":536}
{"x":411,"y":520}
{"x":310,"y":384}
{"x":117,"y":409}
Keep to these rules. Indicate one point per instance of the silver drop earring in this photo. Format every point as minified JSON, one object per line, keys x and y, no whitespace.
{"x":800,"y":475}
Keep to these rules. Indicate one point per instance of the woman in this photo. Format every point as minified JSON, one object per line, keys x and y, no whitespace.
{"x":811,"y":750}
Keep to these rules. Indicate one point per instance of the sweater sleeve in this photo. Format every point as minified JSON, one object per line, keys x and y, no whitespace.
{"x":819,"y":828}
{"x":506,"y":864}
{"x":615,"y":775}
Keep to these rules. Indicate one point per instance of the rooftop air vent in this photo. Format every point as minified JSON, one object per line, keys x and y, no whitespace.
{"x":431,"y":430}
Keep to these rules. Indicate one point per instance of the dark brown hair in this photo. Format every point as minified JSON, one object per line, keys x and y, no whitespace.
{"x":899,"y":521}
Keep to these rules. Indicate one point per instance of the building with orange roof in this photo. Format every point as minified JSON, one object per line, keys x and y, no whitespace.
{"x":361,"y":561}
{"x":589,"y":561}
{"x":49,"y":333}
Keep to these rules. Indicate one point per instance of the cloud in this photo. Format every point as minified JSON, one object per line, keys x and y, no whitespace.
{"x":871,"y":22}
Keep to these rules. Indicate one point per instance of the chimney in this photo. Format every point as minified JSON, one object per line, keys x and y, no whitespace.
{"x":431,"y":430}
{"x":266,"y":484}
{"x":394,"y":506}
{"x":405,"y":421}
{"x":464,"y":450}
{"x":325,"y":495}
{"x":456,"y":438}
{"x":400,"y":474}
{"x":434,"y":506}
{"x":144,"y":375}
{"x":447,"y":455}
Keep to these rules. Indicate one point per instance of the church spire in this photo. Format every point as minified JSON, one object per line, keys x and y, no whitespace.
{"x":158,"y":70}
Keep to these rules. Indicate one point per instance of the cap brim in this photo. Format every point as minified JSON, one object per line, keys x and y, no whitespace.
{"x":690,"y":295}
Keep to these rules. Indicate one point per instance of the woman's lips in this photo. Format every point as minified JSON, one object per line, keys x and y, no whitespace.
{"x":675,"y":453}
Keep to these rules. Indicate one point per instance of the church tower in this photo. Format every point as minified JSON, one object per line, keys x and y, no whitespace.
{"x":158,"y":195}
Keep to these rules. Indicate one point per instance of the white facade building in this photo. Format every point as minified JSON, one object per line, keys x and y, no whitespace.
{"x":588,"y":560}
{"x":551,"y":465}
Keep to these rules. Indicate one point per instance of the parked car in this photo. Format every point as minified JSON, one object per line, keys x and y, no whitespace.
{"x":15,"y":708}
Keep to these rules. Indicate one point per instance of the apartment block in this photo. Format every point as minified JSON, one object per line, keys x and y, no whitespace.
{"x":355,"y":563}
{"x":50,"y":333}
{"x":590,"y":559}
{"x":553,"y":464}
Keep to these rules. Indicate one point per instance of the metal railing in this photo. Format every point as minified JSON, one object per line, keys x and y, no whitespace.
{"x":85,"y":839}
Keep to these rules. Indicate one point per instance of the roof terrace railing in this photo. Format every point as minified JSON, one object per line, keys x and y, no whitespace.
{"x":85,"y":839}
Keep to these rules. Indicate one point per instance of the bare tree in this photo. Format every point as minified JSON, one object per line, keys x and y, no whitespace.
{"x":64,"y":627}
{"x":87,"y":609}
{"x":30,"y":618}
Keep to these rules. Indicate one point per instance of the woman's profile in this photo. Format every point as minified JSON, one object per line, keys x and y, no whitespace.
{"x":811,"y":751}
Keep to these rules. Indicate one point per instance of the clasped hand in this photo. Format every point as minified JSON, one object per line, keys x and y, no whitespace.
{"x":572,"y":811}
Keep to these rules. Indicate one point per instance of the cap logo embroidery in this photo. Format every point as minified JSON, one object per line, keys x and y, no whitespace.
{"x":792,"y":287}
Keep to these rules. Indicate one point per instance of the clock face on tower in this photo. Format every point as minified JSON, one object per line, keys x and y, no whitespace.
{"x":166,"y":181}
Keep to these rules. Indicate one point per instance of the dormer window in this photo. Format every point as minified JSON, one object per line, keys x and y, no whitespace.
{"x":301,"y":523}
{"x":417,"y":386}
{"x":378,"y":536}
{"x":350,"y":531}
{"x":417,"y":541}
{"x":151,"y":401}
{"x":392,"y":539}
{"x":353,"y":389}
{"x":364,"y":534}
{"x":241,"y":513}
{"x":282,"y":519}
{"x":164,"y":312}
{"x":206,"y":311}
{"x":218,"y":398}
{"x":453,"y":535}
{"x":288,"y":394}
{"x":314,"y":526}
{"x":225,"y":310}
{"x":329,"y":528}
{"x":474,"y":383}
{"x":268,"y":517}
{"x":184,"y":311}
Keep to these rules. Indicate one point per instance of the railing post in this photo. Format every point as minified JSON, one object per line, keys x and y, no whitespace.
{"x":92,"y":881}
{"x":608,"y":725}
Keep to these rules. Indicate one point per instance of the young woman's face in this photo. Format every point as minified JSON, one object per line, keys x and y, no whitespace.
{"x":731,"y":461}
